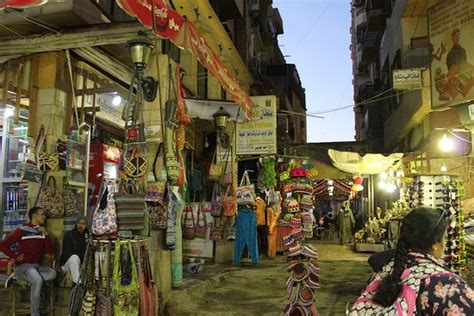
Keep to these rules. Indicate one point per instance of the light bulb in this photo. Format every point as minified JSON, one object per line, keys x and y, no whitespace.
{"x":390,"y":187}
{"x":443,"y":168}
{"x":382,"y":184}
{"x":8,"y":112}
{"x":446,"y":144}
{"x":330,"y":182}
{"x":116,"y":100}
{"x":383,"y":175}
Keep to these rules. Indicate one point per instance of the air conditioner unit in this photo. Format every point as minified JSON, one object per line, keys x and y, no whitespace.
{"x":418,"y":57}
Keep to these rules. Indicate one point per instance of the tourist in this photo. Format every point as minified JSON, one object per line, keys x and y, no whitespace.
{"x":416,"y":280}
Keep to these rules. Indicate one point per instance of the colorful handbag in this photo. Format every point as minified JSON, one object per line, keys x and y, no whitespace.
{"x":245,"y":192}
{"x":158,"y":215}
{"x":229,"y":203}
{"x":46,"y":161}
{"x":217,"y":231}
{"x":129,"y":205}
{"x":135,"y":164}
{"x":200,"y":229}
{"x":215,"y":170}
{"x":189,"y":231}
{"x":216,"y":200}
{"x":125,"y":292}
{"x":104,"y":221}
{"x":148,"y":294}
{"x":70,"y":203}
{"x":50,"y":200}
{"x":88,"y":304}
{"x":155,"y":190}
{"x":171,"y":225}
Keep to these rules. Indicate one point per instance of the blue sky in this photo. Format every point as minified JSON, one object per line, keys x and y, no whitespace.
{"x":317,"y":38}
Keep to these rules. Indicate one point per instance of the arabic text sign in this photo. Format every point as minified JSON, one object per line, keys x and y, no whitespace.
{"x":407,"y":79}
{"x":259,"y":136}
{"x":451,"y":30}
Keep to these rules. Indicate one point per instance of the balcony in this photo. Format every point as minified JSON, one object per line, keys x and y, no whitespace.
{"x":376,"y":15}
{"x":358,"y":3}
{"x":368,"y":49}
{"x":229,"y":9}
{"x":361,"y":18}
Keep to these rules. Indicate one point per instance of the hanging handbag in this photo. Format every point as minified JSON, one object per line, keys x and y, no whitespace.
{"x":155,"y":190}
{"x":245,"y":192}
{"x":188,"y":226}
{"x":229,"y":203}
{"x":148,"y":295}
{"x":89,"y":299}
{"x":70,"y":203}
{"x":46,"y":161}
{"x":126,"y":297}
{"x":216,"y":200}
{"x":171,"y":225}
{"x":104,"y":221}
{"x":50,"y":200}
{"x":158,"y":215}
{"x":88,"y":304}
{"x":215,"y":170}
{"x":134,"y":163}
{"x":217,"y":231}
{"x":104,"y":306}
{"x":201,"y":222}
{"x":130,"y":205}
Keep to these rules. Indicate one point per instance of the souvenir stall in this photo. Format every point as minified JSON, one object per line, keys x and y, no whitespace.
{"x":446,"y":192}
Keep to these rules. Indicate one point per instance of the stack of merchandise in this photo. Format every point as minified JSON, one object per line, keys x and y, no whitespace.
{"x":445,"y":192}
{"x":303,"y":269}
{"x":303,"y":280}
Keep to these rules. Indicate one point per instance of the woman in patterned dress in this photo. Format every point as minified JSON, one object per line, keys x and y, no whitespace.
{"x":416,"y":281}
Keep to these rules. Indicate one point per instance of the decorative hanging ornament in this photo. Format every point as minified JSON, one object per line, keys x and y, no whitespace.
{"x":359,"y":187}
{"x":358,"y":180}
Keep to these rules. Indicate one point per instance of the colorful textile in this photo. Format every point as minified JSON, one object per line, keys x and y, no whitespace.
{"x":272,"y":220}
{"x":177,"y":254}
{"x":260,"y":211}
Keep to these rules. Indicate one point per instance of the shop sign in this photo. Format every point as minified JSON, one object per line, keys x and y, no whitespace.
{"x":21,"y":4}
{"x":451,"y":30}
{"x":407,"y":79}
{"x":259,"y":136}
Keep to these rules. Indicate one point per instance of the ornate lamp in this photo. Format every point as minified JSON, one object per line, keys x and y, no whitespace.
{"x":220,"y":121}
{"x":140,"y":50}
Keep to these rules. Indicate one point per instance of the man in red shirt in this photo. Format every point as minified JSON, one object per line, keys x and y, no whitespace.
{"x":33,"y":242}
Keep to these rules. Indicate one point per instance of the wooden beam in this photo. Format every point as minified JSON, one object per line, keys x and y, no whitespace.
{"x":96,"y":35}
{"x":106,"y":62}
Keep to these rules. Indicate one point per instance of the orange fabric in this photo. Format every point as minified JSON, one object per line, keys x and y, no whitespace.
{"x":260,"y":211}
{"x":272,"y":220}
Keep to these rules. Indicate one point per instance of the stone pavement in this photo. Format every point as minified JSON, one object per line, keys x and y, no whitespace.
{"x":248,"y":290}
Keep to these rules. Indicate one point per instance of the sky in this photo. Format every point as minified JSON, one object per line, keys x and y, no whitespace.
{"x":317,"y":38}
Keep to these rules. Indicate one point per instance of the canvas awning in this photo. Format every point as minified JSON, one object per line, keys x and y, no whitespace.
{"x":205,"y":109}
{"x":368,"y":164}
{"x":169,"y":24}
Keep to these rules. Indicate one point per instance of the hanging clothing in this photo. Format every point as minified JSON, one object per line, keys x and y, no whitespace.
{"x":262,"y":232}
{"x":177,"y":253}
{"x":272,"y":220}
{"x":346,"y":223}
{"x":246,"y":235}
{"x":260,"y":211}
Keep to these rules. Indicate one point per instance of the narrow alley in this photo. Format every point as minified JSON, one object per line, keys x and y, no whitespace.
{"x":220,"y":290}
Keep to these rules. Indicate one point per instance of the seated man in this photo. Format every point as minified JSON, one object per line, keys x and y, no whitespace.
{"x":33,"y":242}
{"x":74,"y":248}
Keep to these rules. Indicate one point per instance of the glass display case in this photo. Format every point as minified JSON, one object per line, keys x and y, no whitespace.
{"x":15,"y":146}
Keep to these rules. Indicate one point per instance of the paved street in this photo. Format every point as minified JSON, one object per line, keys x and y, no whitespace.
{"x":261,"y":291}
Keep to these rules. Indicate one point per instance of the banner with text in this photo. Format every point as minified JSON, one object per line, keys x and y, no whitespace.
{"x":451,"y":30}
{"x":407,"y":79}
{"x":259,"y":136}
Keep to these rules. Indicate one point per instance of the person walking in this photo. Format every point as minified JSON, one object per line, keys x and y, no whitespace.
{"x":416,"y":281}
{"x":74,"y":248}
{"x":33,"y":243}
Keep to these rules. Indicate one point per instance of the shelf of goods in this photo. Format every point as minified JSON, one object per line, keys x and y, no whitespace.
{"x":445,"y":192}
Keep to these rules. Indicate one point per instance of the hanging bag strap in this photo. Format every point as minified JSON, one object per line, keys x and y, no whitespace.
{"x":160,"y":147}
{"x":245,"y":179}
{"x":199,"y":213}
{"x":107,"y":264}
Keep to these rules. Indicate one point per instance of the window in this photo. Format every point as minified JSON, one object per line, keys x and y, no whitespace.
{"x":201,"y":81}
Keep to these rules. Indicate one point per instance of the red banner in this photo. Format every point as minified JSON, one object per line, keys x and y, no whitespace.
{"x":168,"y":23}
{"x":198,"y":45}
{"x":171,"y":25}
{"x":20,"y":4}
